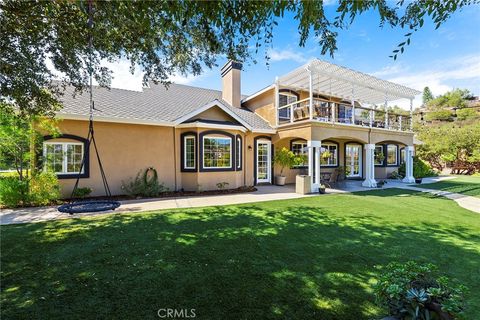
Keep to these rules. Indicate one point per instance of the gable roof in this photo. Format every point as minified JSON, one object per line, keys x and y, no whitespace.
{"x":156,"y":104}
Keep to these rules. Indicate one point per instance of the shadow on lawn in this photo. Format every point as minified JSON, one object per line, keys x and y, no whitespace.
{"x":248,"y":262}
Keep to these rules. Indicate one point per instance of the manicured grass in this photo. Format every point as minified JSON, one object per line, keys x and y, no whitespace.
{"x":311,"y":258}
{"x":467,"y":185}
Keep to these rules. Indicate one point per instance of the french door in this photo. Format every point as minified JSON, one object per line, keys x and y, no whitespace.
{"x":353,"y":160}
{"x":264,"y":161}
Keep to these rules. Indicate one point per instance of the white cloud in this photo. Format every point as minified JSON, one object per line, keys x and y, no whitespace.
{"x":286,"y":54}
{"x":122,"y":78}
{"x":440,"y":76}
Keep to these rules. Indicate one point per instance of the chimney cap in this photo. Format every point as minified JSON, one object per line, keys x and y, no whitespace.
{"x":229,"y":66}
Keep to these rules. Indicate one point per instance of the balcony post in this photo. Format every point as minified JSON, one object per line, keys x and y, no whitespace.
{"x":411,"y":114}
{"x":291,"y":113}
{"x":385,"y":107}
{"x":371,"y":115}
{"x":333,"y":110}
{"x":400,"y":122}
{"x":353,"y":104}
{"x":277,"y":102}
{"x":310,"y":109}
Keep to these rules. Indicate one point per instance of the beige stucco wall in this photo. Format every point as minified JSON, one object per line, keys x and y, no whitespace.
{"x":214,"y":113}
{"x":124,"y":150}
{"x":264,"y":106}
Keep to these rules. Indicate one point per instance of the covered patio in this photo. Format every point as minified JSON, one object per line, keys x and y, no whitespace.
{"x":331,"y":97}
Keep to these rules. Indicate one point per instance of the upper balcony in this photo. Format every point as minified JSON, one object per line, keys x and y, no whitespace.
{"x":328,"y":111}
{"x":349,"y":92}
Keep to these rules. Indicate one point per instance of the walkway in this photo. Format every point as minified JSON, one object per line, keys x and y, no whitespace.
{"x":264,"y":193}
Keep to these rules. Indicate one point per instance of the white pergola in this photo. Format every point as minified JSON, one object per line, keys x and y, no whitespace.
{"x":328,"y":79}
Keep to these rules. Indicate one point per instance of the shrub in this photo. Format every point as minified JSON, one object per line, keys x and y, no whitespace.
{"x":222,"y":185}
{"x":145,"y":184}
{"x":410,"y":291}
{"x":421,"y":169}
{"x":13,"y":192}
{"x":44,"y":189}
{"x":82,"y":192}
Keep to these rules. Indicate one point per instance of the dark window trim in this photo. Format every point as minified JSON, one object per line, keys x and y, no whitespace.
{"x":345,"y":158}
{"x":291,"y":149}
{"x":400,"y":155}
{"x":255,"y":158}
{"x":182,"y":154}
{"x":86,"y":156}
{"x":218,"y":132}
{"x":338,"y":155}
{"x":239,"y":152}
{"x":386,"y":155}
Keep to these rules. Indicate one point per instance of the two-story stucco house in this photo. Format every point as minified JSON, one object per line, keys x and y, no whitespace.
{"x":196,"y":138}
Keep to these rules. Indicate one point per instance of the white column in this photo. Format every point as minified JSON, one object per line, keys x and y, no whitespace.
{"x":311,"y":92}
{"x":277,"y":101}
{"x":314,"y":172}
{"x":369,"y":181}
{"x":408,"y":165}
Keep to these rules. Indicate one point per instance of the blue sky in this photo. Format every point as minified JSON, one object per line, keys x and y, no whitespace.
{"x":442,"y":59}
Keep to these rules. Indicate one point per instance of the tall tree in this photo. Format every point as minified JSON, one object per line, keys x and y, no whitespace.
{"x":46,"y":39}
{"x":427,"y":95}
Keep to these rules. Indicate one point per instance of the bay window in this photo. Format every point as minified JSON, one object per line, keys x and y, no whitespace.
{"x":217,"y":152}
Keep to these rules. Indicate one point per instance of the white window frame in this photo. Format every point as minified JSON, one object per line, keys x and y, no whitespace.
{"x":203,"y":151}
{"x":185,"y":138}
{"x":304,"y":147}
{"x":238,"y":152}
{"x":396,"y":155}
{"x":64,"y":156}
{"x":287,"y":94}
{"x":329,"y":144}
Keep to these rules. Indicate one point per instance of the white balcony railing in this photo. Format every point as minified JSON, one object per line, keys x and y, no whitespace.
{"x":326,"y":111}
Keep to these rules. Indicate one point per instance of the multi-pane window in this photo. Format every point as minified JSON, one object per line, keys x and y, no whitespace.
{"x":238,"y":153}
{"x":379,"y":156}
{"x":283,"y":100}
{"x":329,"y":155}
{"x":189,"y":152}
{"x":300,"y":148}
{"x":63,"y":157}
{"x":392,"y":154}
{"x":217,"y":152}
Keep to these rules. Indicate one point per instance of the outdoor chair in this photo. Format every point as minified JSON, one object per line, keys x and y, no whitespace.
{"x":332,"y":182}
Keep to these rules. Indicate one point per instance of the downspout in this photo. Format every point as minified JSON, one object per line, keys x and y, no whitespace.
{"x":175,"y":156}
{"x":244,"y":161}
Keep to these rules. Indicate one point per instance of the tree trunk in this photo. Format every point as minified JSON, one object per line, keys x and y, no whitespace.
{"x":33,"y":153}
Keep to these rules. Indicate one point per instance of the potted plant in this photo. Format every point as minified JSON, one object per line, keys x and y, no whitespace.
{"x":379,"y":157}
{"x":418,"y":180}
{"x":321,"y":189}
{"x":325,"y":155}
{"x":284,"y":158}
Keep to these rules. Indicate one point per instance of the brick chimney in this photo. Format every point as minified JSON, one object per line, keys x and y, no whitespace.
{"x":231,"y":91}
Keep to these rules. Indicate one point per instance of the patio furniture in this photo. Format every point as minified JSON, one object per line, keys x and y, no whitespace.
{"x":332,"y":181}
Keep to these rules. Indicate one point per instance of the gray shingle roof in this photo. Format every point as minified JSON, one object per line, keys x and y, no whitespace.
{"x":156,"y":103}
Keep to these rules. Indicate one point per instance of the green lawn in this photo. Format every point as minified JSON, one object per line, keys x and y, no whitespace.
{"x":311,"y":258}
{"x":461,"y":184}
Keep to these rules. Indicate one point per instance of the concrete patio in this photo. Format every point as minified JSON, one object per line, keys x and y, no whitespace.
{"x":264,"y":193}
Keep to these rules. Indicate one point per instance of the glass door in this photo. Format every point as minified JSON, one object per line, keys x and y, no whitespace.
{"x":264,"y":162}
{"x":353,"y":160}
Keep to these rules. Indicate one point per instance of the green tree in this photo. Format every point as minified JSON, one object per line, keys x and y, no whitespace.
{"x":166,"y":37}
{"x":427,"y":95}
